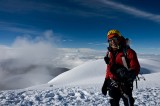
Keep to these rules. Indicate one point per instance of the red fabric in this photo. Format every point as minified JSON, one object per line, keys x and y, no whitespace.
{"x":132,"y":58}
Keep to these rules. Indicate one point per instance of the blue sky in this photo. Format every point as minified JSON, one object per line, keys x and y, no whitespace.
{"x":83,"y":23}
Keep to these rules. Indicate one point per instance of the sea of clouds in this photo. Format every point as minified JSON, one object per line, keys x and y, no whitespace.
{"x":31,"y":61}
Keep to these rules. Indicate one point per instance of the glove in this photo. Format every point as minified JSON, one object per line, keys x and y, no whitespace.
{"x":112,"y":84}
{"x":122,"y":73}
{"x":114,"y":68}
{"x":104,"y":87}
{"x":119,"y":71}
{"x":109,"y":84}
{"x":131,"y":76}
{"x":125,"y":75}
{"x":106,"y":59}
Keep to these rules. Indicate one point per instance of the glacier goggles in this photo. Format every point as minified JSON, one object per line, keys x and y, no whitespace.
{"x":115,"y":39}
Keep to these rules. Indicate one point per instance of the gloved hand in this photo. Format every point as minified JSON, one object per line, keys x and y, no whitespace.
{"x":106,"y":59}
{"x":109,"y":84}
{"x":104,"y":87}
{"x":122,"y":73}
{"x":131,"y":76}
{"x":125,"y":75}
{"x":114,"y":68}
{"x":112,"y":84}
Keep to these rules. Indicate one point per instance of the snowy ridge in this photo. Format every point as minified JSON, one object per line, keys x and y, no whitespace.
{"x":93,"y":73}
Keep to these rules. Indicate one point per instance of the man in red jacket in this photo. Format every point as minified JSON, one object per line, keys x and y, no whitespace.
{"x":122,"y":69}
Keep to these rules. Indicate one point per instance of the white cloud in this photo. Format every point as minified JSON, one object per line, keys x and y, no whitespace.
{"x":27,"y":62}
{"x":31,"y":61}
{"x":155,"y":51}
{"x":97,"y":44}
{"x":67,"y":40}
{"x":18,"y":28}
{"x":132,"y":11}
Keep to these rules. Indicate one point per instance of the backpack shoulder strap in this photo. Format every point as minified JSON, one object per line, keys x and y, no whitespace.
{"x":127,"y":63}
{"x":125,"y":58}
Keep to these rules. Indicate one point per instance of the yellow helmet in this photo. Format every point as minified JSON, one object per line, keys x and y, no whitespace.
{"x":113,"y":32}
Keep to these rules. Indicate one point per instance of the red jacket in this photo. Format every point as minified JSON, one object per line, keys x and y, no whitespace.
{"x":132,"y":60}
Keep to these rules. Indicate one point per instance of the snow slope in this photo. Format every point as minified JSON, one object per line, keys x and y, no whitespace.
{"x":81,"y":86}
{"x":93,"y":73}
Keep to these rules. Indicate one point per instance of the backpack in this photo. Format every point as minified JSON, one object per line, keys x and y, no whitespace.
{"x":126,"y":64}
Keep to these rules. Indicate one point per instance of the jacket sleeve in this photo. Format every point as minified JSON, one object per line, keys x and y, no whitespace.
{"x":108,"y":73}
{"x":107,"y":76}
{"x":133,"y":61}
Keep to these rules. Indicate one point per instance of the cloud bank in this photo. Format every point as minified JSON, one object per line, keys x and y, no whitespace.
{"x":29,"y":61}
{"x":32,"y":61}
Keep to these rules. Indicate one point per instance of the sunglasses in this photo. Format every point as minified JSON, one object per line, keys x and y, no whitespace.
{"x":115,"y":39}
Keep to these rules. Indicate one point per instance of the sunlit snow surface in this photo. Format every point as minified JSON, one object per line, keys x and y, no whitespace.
{"x":81,"y":86}
{"x":77,"y":96}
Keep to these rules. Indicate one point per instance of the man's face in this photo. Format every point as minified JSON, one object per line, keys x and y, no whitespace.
{"x":113,"y":42}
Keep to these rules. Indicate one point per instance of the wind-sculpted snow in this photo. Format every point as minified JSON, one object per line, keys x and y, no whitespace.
{"x":73,"y":96}
{"x":147,"y":97}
